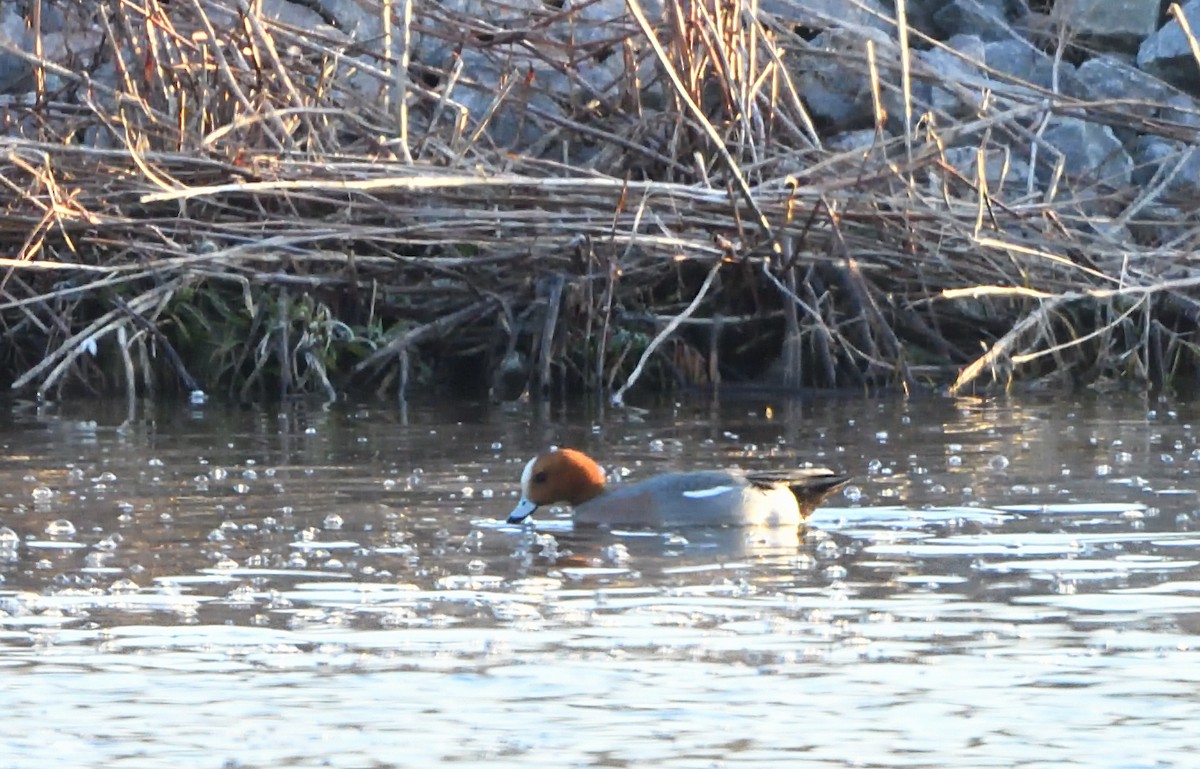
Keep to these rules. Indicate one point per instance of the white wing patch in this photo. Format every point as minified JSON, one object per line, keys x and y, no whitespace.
{"x":715,"y":491}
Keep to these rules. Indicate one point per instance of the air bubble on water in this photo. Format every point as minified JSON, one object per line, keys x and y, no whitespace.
{"x":1103,"y":470}
{"x":249,"y":475}
{"x":467,"y":491}
{"x":616,"y":554}
{"x":43,"y":494}
{"x":241,"y":594}
{"x":803,"y":562}
{"x":874,"y":466}
{"x":954,"y":460}
{"x":497,"y":446}
{"x":124,"y":586}
{"x":888,"y":494}
{"x":881,"y":436}
{"x":333,"y":522}
{"x":216,"y":535}
{"x":1166,"y":459}
{"x":1062,"y":586}
{"x":487,"y":493}
{"x":218,"y":473}
{"x":43,"y":565}
{"x":60,"y":528}
{"x":297,"y":561}
{"x":548,"y":546}
{"x":656,"y":446}
{"x":853,"y":493}
{"x":835,"y":572}
{"x":389,"y":484}
{"x":476,"y":566}
{"x":241,"y":488}
{"x":110,"y":542}
{"x":225,"y":563}
{"x":1122,"y":458}
{"x":333,"y":564}
{"x":998,"y":463}
{"x":827,"y":550}
{"x":675,"y":540}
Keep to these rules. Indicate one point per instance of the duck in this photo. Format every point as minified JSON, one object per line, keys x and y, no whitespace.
{"x":694,"y":498}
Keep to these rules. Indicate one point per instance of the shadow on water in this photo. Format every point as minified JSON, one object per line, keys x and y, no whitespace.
{"x":1006,"y":583}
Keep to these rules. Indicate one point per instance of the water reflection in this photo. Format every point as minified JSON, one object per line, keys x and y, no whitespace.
{"x":1011,"y":582}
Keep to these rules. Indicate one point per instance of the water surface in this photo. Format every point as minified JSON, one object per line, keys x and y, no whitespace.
{"x":1008,"y":583}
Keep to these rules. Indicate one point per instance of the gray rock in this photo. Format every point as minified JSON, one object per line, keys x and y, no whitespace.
{"x":1181,"y":108}
{"x":1115,"y":24}
{"x":14,"y":69}
{"x":828,"y":14}
{"x":1091,"y":153}
{"x":1167,"y":55}
{"x":832,"y":93}
{"x":1140,"y":94}
{"x":852,"y":141}
{"x":921,"y":16}
{"x":1175,"y":163}
{"x":1108,"y":78}
{"x":1149,"y":153}
{"x":1029,"y":65}
{"x":961,"y":66}
{"x":1001,"y":169}
{"x":986,"y":19}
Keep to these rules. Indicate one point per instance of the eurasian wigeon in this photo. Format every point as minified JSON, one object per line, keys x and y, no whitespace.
{"x":700,"y":498}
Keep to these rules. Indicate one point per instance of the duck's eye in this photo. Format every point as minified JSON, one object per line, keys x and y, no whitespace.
{"x":539,"y":477}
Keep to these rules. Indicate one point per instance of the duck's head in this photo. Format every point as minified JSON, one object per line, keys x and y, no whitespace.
{"x":562,"y":475}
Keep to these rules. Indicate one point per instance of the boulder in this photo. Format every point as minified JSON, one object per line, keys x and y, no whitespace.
{"x":1091,"y":152}
{"x":1118,"y":25}
{"x":1166,"y":53}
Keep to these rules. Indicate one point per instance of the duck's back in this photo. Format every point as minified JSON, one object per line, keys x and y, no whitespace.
{"x":705,"y":498}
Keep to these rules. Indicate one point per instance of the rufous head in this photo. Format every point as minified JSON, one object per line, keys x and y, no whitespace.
{"x":562,"y":475}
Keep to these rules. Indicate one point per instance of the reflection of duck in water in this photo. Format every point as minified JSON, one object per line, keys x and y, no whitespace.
{"x":699,"y":498}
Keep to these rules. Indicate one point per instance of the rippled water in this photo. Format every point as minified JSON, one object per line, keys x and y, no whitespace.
{"x":1009,"y":583}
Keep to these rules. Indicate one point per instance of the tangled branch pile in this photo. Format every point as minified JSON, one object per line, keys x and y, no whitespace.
{"x":205,"y":195}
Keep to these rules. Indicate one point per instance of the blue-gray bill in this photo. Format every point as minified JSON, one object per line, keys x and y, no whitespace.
{"x":523,"y":510}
